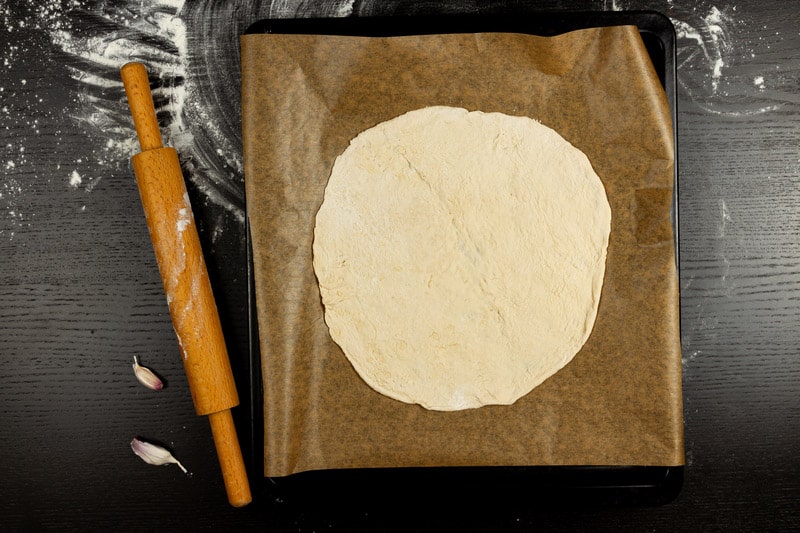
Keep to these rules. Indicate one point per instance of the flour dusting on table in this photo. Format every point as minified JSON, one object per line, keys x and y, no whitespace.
{"x":190,"y":50}
{"x":157,"y":35}
{"x":716,"y":60}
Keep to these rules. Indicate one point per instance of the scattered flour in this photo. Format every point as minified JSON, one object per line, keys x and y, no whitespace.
{"x":155,"y":34}
{"x":711,"y":36}
{"x":713,"y":58}
{"x":95,"y":38}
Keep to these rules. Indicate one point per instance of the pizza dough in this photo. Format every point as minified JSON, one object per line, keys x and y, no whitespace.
{"x":460,"y":256}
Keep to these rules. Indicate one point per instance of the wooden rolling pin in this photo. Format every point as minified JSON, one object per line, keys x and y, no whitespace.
{"x":185,"y":277}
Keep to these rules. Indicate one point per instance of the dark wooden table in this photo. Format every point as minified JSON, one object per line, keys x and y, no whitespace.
{"x":80,"y":294}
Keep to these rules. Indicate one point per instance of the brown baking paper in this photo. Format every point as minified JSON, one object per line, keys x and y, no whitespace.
{"x":305,"y":96}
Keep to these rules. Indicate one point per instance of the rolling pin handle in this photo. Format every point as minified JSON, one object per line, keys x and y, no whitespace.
{"x":140,"y":100}
{"x":234,"y":473}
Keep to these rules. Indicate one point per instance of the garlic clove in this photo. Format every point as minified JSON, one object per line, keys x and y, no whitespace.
{"x":146,"y":376}
{"x":153,"y":454}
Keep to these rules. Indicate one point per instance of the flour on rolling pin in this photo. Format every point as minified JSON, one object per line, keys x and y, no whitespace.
{"x":172,"y":280}
{"x":184,"y":214}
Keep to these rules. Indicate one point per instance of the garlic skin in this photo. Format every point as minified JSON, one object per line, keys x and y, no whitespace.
{"x":154,"y":455}
{"x":146,"y":376}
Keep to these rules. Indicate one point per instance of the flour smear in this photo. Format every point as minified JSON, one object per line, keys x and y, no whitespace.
{"x":183,"y":44}
{"x":155,"y":34}
{"x":716,"y":61}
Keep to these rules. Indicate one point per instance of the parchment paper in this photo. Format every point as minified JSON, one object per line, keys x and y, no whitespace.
{"x":305,"y":96}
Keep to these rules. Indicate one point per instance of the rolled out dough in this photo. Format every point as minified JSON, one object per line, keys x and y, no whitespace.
{"x":460,"y":255}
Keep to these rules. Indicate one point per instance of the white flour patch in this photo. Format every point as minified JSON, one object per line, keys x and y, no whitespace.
{"x":184,"y":215}
{"x":346,"y":9}
{"x":717,"y":24}
{"x":684,"y":31}
{"x":75,"y":179}
{"x":184,"y":219}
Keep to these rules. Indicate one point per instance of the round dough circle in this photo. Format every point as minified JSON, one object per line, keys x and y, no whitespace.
{"x":460,"y":255}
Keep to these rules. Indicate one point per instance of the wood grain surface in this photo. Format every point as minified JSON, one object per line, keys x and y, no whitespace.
{"x":80,"y":292}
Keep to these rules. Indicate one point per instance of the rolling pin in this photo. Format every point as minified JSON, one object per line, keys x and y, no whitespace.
{"x":186,"y":283}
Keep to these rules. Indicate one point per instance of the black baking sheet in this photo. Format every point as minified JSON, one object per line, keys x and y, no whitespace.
{"x":596,"y":484}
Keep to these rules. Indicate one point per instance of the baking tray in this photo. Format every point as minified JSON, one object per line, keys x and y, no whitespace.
{"x":490,"y":488}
